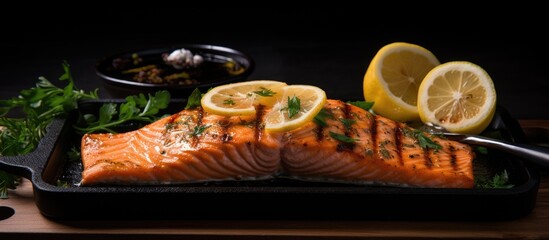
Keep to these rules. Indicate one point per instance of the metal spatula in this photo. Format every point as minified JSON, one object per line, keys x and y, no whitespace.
{"x":534,"y":154}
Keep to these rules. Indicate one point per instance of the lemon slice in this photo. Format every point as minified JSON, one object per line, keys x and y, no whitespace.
{"x":237,"y":99}
{"x":459,"y":96}
{"x":393,"y":78}
{"x":298,"y":105}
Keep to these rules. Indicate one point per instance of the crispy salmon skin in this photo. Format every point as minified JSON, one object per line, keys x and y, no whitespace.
{"x":352,"y":146}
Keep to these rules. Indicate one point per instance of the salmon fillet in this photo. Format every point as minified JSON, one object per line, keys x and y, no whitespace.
{"x":380,"y":151}
{"x":189,"y":146}
{"x":193,"y":145}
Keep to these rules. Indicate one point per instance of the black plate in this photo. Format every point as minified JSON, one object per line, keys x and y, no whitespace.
{"x":211,"y":73}
{"x":268,"y":199}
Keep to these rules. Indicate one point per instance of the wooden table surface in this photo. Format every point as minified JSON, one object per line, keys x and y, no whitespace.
{"x":28,"y":223}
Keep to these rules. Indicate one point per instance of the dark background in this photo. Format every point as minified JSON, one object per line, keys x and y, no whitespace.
{"x":330,"y":47}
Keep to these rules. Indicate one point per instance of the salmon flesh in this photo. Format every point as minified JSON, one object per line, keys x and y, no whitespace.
{"x":352,"y":145}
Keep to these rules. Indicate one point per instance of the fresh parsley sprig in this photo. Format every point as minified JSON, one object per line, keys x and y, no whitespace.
{"x":342,"y":138}
{"x":347,"y":123}
{"x":294,"y":105}
{"x":7,"y":181}
{"x":40,"y":105}
{"x":229,"y":101}
{"x":500,"y":180}
{"x":194,"y":99}
{"x":426,"y":142}
{"x":265,"y":92}
{"x":362,"y":104}
{"x":423,"y":140}
{"x":198,"y":130}
{"x":321,"y":117}
{"x":136,"y":108}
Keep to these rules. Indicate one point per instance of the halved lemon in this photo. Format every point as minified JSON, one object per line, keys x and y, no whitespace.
{"x":459,"y":96}
{"x":298,"y":105}
{"x":393,"y":78}
{"x":238,"y":99}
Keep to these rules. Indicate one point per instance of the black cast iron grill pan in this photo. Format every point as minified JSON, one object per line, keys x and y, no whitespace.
{"x":265,"y":199}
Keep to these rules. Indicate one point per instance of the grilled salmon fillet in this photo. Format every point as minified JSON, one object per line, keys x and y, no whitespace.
{"x":357,"y":146}
{"x":353,"y":146}
{"x":189,"y":146}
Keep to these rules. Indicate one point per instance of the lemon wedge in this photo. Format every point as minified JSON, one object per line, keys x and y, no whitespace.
{"x":393,"y":78}
{"x":237,"y":99}
{"x":459,"y":96}
{"x":298,"y":105}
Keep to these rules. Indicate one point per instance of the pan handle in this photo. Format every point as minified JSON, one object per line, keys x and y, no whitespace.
{"x":32,"y":164}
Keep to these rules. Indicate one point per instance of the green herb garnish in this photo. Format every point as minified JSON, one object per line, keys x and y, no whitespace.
{"x":385,"y":153}
{"x":485,"y":179}
{"x":74,"y":154}
{"x":63,"y":184}
{"x":265,"y":92}
{"x":426,"y":142}
{"x":321,"y":117}
{"x":136,"y":108}
{"x":194,"y":99}
{"x":198,"y":130}
{"x":500,"y":180}
{"x":347,"y":122}
{"x":342,"y":138}
{"x":294,"y":105}
{"x":423,"y":140}
{"x":362,"y":104}
{"x":481,"y":150}
{"x":40,"y":105}
{"x":229,"y":102}
{"x":7,"y":181}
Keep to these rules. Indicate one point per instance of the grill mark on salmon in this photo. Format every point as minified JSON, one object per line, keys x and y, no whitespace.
{"x":319,"y":136}
{"x":398,"y":143}
{"x":347,"y":122}
{"x":385,"y":139}
{"x":224,"y":124}
{"x":171,"y":151}
{"x":428,"y":160}
{"x":373,"y":128}
{"x":257,"y":124}
{"x":453,"y":160}
{"x":198,"y":125}
{"x":396,"y":157}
